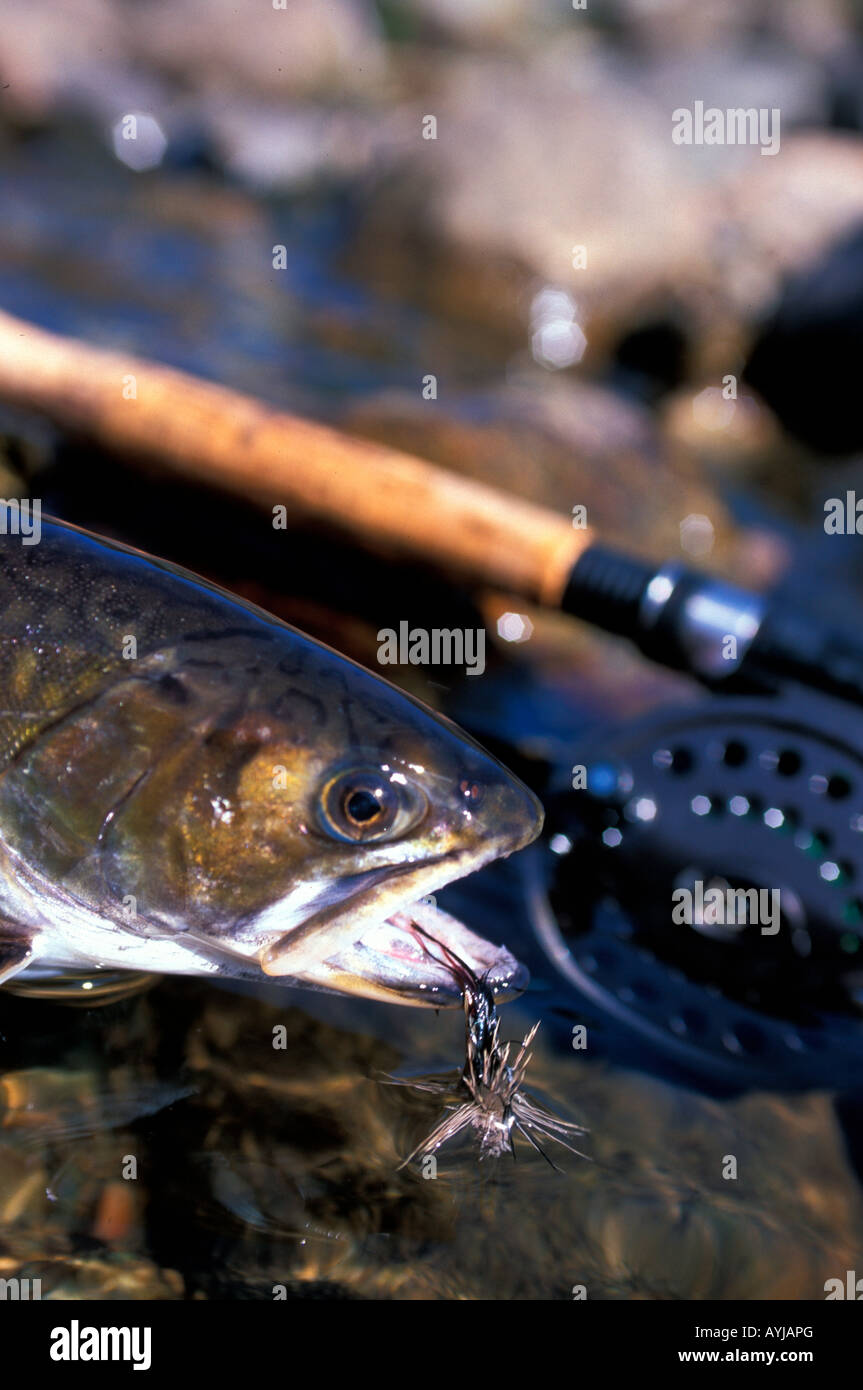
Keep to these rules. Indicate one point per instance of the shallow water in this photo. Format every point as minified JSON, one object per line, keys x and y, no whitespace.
{"x":258,"y":1167}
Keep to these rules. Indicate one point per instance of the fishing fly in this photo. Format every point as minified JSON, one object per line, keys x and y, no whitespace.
{"x":488,"y":1096}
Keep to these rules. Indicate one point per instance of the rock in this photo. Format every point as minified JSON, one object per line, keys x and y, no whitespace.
{"x":276,"y":146}
{"x":718,"y":434}
{"x":109,"y":57}
{"x":115,"y":1276}
{"x":694,"y":239}
{"x":518,"y":176}
{"x":301,"y":49}
{"x":496,"y":23}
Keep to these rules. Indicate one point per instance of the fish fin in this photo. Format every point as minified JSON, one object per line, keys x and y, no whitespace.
{"x":15,"y":954}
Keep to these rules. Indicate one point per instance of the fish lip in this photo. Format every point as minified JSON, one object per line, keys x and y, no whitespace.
{"x":370,"y":879}
{"x":358,"y":963}
{"x":439,"y":986}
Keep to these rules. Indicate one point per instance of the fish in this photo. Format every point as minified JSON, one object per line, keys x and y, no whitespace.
{"x":188,"y":785}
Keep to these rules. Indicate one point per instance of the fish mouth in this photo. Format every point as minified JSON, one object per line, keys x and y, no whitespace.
{"x":365,"y":945}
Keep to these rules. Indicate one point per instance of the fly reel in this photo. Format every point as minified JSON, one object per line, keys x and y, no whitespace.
{"x":700,"y":884}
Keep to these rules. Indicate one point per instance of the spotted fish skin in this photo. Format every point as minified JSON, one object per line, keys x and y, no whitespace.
{"x":167,"y":759}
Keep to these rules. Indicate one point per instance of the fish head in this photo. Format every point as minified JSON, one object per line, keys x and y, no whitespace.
{"x":415,"y":806}
{"x":301,"y":821}
{"x":357,"y":810}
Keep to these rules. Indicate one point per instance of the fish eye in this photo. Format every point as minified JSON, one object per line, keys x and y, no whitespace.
{"x":364,"y":805}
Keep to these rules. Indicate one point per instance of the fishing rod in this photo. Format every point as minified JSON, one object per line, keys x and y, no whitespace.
{"x":391,"y":501}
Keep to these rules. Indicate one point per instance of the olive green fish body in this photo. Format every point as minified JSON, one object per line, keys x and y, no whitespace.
{"x":187,"y":784}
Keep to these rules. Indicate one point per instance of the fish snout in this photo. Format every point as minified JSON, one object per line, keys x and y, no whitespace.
{"x":510,"y":814}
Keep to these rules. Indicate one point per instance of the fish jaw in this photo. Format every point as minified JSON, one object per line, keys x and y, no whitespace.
{"x":391,"y":963}
{"x":367,"y":948}
{"x":364,"y":945}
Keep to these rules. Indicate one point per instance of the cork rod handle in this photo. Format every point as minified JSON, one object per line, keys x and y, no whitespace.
{"x":377,"y":495}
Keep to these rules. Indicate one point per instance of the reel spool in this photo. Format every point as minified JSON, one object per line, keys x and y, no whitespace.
{"x":741,"y":795}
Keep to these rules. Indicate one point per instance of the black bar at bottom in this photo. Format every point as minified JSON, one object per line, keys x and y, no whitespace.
{"x":55,"y":1340}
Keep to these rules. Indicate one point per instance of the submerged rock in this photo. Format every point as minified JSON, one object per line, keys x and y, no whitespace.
{"x":655,"y":1215}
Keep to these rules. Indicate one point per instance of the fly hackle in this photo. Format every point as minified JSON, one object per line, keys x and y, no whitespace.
{"x":487,"y":1098}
